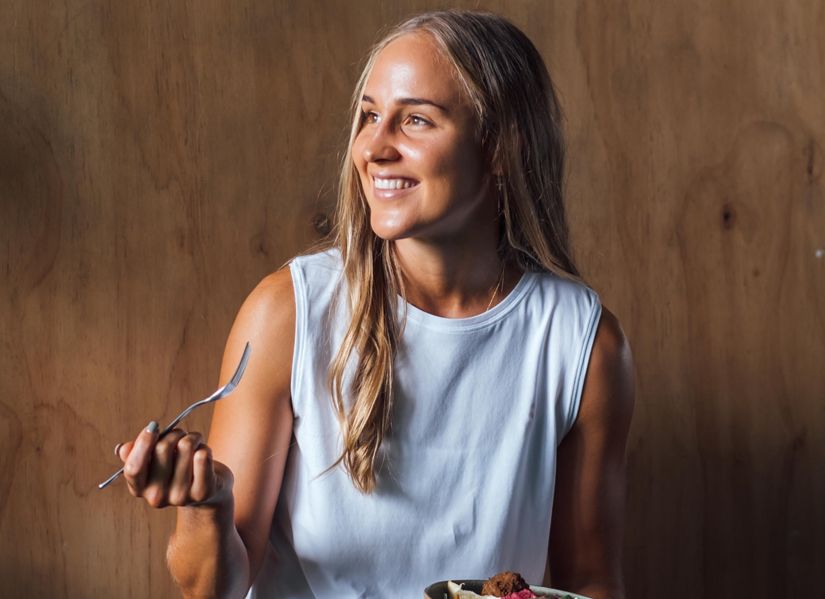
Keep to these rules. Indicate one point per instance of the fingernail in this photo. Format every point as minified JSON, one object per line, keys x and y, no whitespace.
{"x":152,"y":428}
{"x":117,"y":448}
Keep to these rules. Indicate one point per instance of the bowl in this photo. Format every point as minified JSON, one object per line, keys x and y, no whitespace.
{"x":438,"y":590}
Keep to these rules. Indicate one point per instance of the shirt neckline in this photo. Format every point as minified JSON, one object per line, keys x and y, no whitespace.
{"x":486,"y":318}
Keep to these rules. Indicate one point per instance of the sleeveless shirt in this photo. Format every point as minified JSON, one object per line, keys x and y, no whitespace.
{"x":467,"y":475}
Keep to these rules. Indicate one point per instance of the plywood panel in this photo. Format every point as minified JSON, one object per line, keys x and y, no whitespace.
{"x":156,"y":160}
{"x":706,"y":138}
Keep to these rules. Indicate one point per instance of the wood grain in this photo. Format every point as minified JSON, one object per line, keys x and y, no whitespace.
{"x":157,"y":159}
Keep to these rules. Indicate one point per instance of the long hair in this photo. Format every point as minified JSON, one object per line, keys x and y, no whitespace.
{"x":519,"y":127}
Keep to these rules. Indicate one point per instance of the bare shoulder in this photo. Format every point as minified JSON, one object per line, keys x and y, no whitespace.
{"x":278,"y":284}
{"x":611,"y":348}
{"x":610,"y":383}
{"x":266,"y":316}
{"x":266,"y":320}
{"x":271,"y":301}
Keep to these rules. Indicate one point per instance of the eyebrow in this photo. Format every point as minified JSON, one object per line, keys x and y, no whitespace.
{"x":411,"y":102}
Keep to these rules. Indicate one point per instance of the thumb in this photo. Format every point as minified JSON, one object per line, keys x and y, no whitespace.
{"x":122,"y":450}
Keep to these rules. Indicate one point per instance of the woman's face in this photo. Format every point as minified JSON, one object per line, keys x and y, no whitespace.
{"x":421,"y":167}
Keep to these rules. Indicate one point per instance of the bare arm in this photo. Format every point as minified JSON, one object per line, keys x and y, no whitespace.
{"x":254,"y":442}
{"x":217,"y":548}
{"x":588,"y":512}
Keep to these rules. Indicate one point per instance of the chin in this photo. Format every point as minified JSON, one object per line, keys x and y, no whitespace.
{"x":390,"y":231}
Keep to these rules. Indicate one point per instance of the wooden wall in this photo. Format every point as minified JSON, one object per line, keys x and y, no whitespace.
{"x":158,"y":158}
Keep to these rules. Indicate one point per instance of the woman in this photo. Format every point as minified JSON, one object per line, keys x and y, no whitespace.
{"x":428,"y":391}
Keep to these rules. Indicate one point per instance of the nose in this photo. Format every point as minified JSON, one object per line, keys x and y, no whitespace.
{"x":381,"y":145}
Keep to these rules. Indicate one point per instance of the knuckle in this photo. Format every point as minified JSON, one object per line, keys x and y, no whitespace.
{"x":186,"y":444}
{"x":174,"y":436}
{"x":157,"y":503}
{"x":131,"y":470}
{"x":177,"y":497}
{"x":154,"y":497}
{"x":163,"y":450}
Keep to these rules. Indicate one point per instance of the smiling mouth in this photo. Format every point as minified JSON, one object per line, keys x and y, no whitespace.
{"x":393,"y":184}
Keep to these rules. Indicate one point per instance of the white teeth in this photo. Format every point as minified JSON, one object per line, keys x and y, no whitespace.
{"x":392,"y":183}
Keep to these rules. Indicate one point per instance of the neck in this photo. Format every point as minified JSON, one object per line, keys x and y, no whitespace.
{"x":453,"y":280}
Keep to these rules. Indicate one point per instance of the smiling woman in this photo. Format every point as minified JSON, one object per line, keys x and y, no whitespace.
{"x":420,"y":162}
{"x":437,"y":385}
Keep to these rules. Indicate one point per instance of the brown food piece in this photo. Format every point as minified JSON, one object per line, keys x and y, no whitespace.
{"x":503,"y":584}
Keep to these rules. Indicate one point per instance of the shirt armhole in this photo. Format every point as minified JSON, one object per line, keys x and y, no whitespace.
{"x":299,"y":289}
{"x":583,"y":361}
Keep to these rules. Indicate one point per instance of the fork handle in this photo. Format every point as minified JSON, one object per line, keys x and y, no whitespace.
{"x":111,"y":479}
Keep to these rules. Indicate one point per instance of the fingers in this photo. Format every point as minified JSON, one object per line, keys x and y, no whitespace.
{"x":181,"y":483}
{"x":136,"y":466}
{"x":162,"y":468}
{"x":203,"y":476}
{"x":122,"y":450}
{"x":176,"y":469}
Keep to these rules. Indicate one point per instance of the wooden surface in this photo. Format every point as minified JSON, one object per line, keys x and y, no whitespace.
{"x":157,"y":159}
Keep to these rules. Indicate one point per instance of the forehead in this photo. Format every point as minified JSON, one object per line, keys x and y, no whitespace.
{"x":413,"y":66}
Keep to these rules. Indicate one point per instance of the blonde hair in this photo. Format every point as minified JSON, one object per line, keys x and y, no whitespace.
{"x":519,"y":127}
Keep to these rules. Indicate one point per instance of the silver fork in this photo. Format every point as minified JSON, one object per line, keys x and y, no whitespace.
{"x":219,"y":394}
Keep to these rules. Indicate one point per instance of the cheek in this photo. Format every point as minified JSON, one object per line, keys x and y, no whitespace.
{"x":361,"y":172}
{"x":459,"y":166}
{"x":357,"y":154}
{"x":434,"y":162}
{"x":472,"y":168}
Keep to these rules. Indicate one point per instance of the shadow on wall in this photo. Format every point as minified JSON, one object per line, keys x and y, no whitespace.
{"x":31,"y":199}
{"x":721,"y":518}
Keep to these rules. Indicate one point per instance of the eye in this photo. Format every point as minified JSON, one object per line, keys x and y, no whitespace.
{"x":369,"y":117}
{"x":418,"y":121}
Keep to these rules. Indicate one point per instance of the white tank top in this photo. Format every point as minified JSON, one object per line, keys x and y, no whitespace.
{"x":466,"y":489}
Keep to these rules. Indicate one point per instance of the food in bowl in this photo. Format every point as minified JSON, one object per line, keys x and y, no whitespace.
{"x":504,"y":585}
{"x":509,"y":585}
